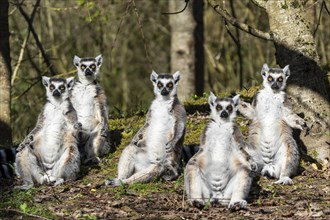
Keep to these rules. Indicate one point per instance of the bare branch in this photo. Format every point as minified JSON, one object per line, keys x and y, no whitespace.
{"x":129,"y":4}
{"x":35,"y":35}
{"x":244,"y":27}
{"x":178,"y":12}
{"x":142,"y":34}
{"x":20,"y":58}
{"x":326,"y":7}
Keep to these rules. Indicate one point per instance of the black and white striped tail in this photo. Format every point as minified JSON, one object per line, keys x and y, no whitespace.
{"x":7,"y":162}
{"x":188,"y":151}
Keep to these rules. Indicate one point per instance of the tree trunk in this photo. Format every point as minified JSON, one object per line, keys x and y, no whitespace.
{"x":183,"y":46}
{"x":5,"y":77}
{"x":290,"y":23}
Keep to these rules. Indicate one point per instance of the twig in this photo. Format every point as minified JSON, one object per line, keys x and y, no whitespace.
{"x":244,"y":27}
{"x":142,"y":34}
{"x":178,"y":12}
{"x":23,"y":213}
{"x":28,"y":89}
{"x":35,"y":35}
{"x":129,"y":4}
{"x":318,"y":20}
{"x":20,"y":58}
{"x":326,"y":7}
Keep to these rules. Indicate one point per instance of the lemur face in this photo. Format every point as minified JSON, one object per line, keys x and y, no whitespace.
{"x":223,"y":109}
{"x":165,"y":85}
{"x":57,"y":88}
{"x":275,"y":78}
{"x":88,"y":68}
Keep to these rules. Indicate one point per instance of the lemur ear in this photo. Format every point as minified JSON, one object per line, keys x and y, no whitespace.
{"x":99,"y":60}
{"x":153,"y":76}
{"x":236,"y":99}
{"x":176,"y":77}
{"x":212,"y":99}
{"x":76,"y":61}
{"x":286,"y":71}
{"x":264,"y":70}
{"x":70,"y":82}
{"x":45,"y":81}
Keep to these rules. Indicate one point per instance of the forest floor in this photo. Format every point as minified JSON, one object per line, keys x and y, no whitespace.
{"x":89,"y":198}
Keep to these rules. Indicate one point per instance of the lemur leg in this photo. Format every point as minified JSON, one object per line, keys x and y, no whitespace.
{"x":238,"y":189}
{"x":197,"y":192}
{"x":100,"y":142}
{"x":288,"y":163}
{"x":89,"y":148}
{"x":67,"y":167}
{"x":28,"y":168}
{"x":153,"y":171}
{"x":127,"y":162}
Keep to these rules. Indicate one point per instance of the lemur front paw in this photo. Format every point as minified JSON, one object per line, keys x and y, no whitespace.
{"x":104,"y":132}
{"x":78,"y":126}
{"x":27,"y":141}
{"x":254,"y":166}
{"x":168,"y":147}
{"x":113,"y":182}
{"x":301,"y":123}
{"x":21,"y":147}
{"x":236,"y":205}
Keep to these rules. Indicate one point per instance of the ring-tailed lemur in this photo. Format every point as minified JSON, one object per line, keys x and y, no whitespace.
{"x":155,"y":151}
{"x":270,"y":132}
{"x":7,"y":162}
{"x":220,"y":172}
{"x":89,"y":100}
{"x":50,"y":152}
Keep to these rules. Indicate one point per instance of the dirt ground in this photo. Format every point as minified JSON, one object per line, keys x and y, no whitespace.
{"x":309,"y":197}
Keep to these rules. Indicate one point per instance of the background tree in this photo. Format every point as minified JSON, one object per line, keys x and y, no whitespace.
{"x":183,"y":45}
{"x":5,"y":77}
{"x":291,"y":33}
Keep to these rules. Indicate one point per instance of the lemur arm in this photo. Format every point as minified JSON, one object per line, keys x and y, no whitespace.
{"x":247,"y":109}
{"x":243,"y":149}
{"x":291,"y":118}
{"x":139,"y":135}
{"x":30,"y":137}
{"x":178,"y":128}
{"x":72,"y":117}
{"x":101,"y":111}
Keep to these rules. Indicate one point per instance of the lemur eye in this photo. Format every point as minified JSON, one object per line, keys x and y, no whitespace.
{"x":219,"y":107}
{"x":159,"y":85}
{"x":62,"y":87}
{"x":92,"y":66}
{"x":270,"y":79}
{"x":280,"y":79}
{"x":230,"y":108}
{"x":83,"y":67}
{"x":170,"y":85}
{"x":51,"y":87}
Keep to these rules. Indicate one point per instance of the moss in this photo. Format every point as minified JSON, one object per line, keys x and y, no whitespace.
{"x":25,"y":202}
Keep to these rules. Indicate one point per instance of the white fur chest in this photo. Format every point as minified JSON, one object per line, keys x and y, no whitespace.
{"x":83,"y":100}
{"x":52,"y":134}
{"x":269,"y":115}
{"x":219,"y":142}
{"x":269,"y":105}
{"x":160,"y":128}
{"x":219,"y":150}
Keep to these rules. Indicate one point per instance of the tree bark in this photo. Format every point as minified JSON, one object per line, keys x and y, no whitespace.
{"x":307,"y":85}
{"x":183,"y":46}
{"x":5,"y":77}
{"x":290,"y":30}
